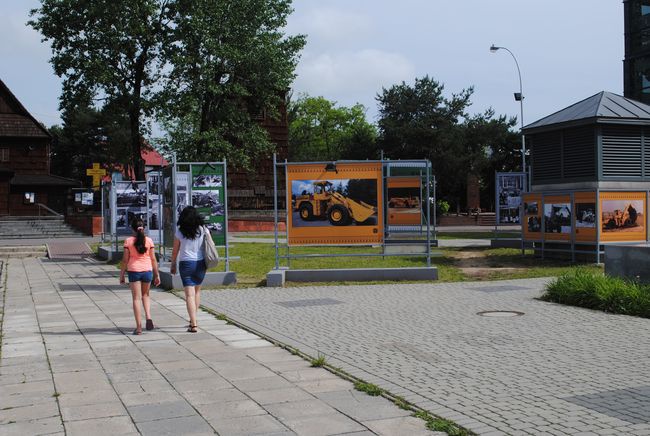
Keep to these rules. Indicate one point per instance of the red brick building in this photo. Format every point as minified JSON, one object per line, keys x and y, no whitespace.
{"x":25,"y":179}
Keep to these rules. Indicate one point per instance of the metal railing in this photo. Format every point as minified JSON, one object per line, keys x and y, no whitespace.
{"x":47,"y":209}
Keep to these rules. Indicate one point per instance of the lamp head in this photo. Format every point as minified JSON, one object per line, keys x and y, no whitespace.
{"x":494,"y":48}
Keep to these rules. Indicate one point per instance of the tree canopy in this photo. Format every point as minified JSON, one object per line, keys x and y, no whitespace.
{"x":205,"y":69}
{"x":418,"y":121}
{"x":319,"y":130}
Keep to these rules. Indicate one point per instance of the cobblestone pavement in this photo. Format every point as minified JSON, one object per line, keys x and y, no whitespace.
{"x":69,"y":365}
{"x":554,"y":370}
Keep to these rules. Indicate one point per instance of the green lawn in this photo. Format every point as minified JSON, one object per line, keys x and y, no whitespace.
{"x":257,"y":259}
{"x":476,"y":235}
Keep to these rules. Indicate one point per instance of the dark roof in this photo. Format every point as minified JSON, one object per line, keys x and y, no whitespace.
{"x":603,"y":106}
{"x":42,"y":180}
{"x":15,"y":120}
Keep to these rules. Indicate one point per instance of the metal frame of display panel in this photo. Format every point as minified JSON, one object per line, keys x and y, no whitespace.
{"x":598,"y":224}
{"x":402,"y":163}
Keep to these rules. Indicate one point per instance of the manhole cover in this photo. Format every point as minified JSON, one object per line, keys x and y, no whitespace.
{"x":500,"y":313}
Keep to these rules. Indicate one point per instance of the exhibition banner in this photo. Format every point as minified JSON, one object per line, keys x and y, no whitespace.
{"x":131,"y":203}
{"x":558,"y":217}
{"x":208,"y":197}
{"x":155,"y":207}
{"x":509,"y":189}
{"x":532,"y":216}
{"x":584,"y":204}
{"x":338,"y":203}
{"x":623,"y":216}
{"x":404,"y":200}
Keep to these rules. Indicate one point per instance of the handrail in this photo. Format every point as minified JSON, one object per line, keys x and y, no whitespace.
{"x":53,"y":212}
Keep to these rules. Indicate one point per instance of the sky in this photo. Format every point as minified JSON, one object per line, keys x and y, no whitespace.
{"x":567,"y":51}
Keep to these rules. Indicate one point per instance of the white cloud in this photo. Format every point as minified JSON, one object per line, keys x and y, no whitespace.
{"x":348,"y":77}
{"x":327,"y":25}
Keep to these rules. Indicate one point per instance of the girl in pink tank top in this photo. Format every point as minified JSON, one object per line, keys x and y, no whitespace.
{"x":140,"y":262}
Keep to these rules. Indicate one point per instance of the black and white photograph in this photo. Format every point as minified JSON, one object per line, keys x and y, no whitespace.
{"x":121,"y":220}
{"x":154,"y":220}
{"x":557,"y":218}
{"x":207,"y":181}
{"x":131,"y":194}
{"x":510,"y":188}
{"x":586,"y":215}
{"x":182,"y":182}
{"x":208,"y":200}
{"x":531,"y":208}
{"x":153,"y":184}
{"x":181,"y":201}
{"x":534,"y":224}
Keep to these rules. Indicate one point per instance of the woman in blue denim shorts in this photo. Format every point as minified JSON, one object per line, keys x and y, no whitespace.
{"x":188,"y":250}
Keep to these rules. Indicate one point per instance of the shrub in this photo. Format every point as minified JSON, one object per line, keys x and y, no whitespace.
{"x":597,"y":291}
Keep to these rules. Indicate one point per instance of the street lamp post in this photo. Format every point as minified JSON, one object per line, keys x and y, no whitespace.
{"x":519,"y":96}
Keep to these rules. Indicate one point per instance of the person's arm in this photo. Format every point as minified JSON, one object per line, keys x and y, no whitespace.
{"x":125,"y":262}
{"x":175,"y":250}
{"x":154,"y":265}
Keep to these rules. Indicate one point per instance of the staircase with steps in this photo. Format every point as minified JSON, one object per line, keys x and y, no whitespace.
{"x":14,"y":227}
{"x":24,"y":251}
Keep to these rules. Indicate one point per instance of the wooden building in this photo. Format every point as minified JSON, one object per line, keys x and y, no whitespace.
{"x":254,"y":191}
{"x":25,"y":180}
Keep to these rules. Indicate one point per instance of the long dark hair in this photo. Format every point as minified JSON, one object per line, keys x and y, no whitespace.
{"x":190,"y":222}
{"x":138,"y":227}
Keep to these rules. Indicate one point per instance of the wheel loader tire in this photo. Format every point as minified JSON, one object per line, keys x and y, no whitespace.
{"x":338,"y":215}
{"x":306,"y":212}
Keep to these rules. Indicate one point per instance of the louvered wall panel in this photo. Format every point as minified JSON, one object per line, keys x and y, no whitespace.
{"x":546,"y":152}
{"x":579,"y":160}
{"x":621,"y":151}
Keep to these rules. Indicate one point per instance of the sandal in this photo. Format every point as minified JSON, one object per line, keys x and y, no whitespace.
{"x":192,"y":329}
{"x":149,"y":324}
{"x":137,"y":331}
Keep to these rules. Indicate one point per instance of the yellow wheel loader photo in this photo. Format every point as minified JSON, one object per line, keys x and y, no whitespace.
{"x":326,"y":203}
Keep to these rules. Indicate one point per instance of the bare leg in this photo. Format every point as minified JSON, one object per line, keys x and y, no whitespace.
{"x":146,"y":301}
{"x":191,"y":305}
{"x":197,"y":296}
{"x":136,"y":294}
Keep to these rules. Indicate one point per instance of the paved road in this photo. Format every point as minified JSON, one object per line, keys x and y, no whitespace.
{"x":70,"y":366}
{"x":554,"y":370}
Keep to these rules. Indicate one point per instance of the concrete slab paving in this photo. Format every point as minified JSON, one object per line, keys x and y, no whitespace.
{"x":556,"y":369}
{"x":69,"y":365}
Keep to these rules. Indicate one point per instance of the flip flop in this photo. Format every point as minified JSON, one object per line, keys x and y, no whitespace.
{"x":149,"y":324}
{"x":192,"y":329}
{"x":137,"y":331}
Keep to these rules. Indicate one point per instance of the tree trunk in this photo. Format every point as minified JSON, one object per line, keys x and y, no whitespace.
{"x":136,"y":145}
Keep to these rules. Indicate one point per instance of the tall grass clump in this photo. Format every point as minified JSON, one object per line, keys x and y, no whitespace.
{"x":593,"y":290}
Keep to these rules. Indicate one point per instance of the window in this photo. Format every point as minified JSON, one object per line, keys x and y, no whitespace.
{"x":4,"y":155}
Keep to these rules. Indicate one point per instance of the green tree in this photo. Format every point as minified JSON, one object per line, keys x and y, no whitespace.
{"x":107,"y":50}
{"x":419,"y":122}
{"x":230,"y":65}
{"x":88,"y":135}
{"x":491,"y":142}
{"x":319,"y":130}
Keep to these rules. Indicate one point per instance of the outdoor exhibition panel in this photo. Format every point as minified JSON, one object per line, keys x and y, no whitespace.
{"x":509,"y":189}
{"x":340,"y":206}
{"x":585,"y":218}
{"x":354,"y":203}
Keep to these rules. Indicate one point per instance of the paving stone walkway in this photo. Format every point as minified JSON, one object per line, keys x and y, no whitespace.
{"x":70,"y":366}
{"x":553,"y":370}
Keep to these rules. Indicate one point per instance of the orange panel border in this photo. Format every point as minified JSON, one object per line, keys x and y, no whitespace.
{"x":335,"y":235}
{"x":623,"y":236}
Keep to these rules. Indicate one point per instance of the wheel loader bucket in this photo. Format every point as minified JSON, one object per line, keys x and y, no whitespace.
{"x":360,"y":211}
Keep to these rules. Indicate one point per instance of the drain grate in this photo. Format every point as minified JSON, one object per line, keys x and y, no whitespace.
{"x":308,"y":302}
{"x":500,"y":313}
{"x":499,"y":288}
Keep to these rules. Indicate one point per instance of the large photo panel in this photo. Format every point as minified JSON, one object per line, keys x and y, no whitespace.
{"x":622,"y":216}
{"x":208,"y":196}
{"x":340,"y":205}
{"x":404,"y":201}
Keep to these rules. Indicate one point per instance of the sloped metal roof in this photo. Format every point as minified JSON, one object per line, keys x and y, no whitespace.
{"x":604,"y":105}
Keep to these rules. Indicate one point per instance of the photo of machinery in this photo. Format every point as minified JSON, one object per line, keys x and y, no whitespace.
{"x":347,"y":202}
